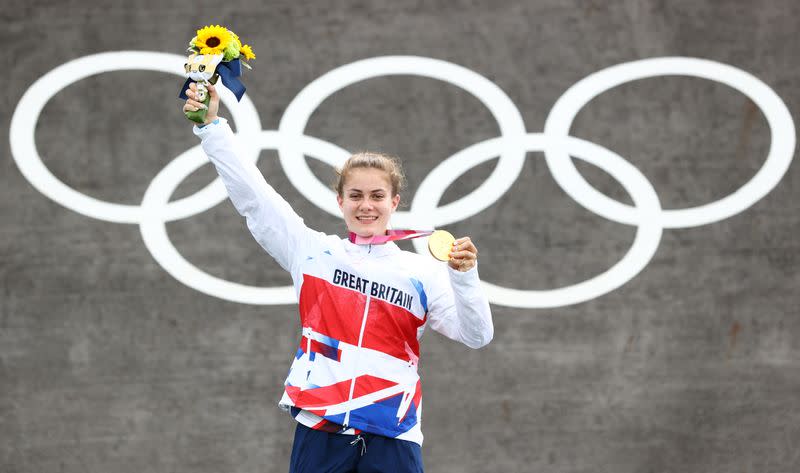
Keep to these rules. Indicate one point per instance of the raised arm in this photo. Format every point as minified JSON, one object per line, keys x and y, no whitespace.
{"x":271,"y":220}
{"x":459,"y":308}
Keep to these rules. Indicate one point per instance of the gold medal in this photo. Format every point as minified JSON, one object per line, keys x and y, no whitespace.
{"x":440,"y":244}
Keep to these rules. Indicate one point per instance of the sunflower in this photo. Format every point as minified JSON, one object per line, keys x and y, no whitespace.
{"x":212,"y":39}
{"x":247,"y":52}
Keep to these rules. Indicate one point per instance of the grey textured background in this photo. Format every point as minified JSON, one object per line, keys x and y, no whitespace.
{"x":108,"y":364}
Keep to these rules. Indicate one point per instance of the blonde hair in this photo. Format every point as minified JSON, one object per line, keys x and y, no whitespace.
{"x":367,"y":159}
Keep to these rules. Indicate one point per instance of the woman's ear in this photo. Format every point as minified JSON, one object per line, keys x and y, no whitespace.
{"x":339,"y":201}
{"x":395,"y":201}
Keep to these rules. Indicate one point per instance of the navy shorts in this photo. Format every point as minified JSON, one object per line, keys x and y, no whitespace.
{"x":316,"y":451}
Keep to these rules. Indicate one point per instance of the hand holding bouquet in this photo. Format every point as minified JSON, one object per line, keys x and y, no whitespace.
{"x":215,"y":52}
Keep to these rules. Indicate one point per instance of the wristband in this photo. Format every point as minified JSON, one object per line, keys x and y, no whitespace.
{"x":215,"y":122}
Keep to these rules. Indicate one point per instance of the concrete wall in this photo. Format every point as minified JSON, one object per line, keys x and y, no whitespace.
{"x":110,"y":364}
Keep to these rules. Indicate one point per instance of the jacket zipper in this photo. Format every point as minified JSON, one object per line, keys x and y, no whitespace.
{"x":355,"y":364}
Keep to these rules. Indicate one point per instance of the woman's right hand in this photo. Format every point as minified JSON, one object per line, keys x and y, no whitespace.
{"x":192,"y":105}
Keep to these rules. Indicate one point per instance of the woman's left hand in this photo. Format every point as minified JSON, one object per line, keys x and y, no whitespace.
{"x":464,"y":255}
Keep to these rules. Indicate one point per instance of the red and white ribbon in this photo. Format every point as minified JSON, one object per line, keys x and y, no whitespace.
{"x":391,"y":235}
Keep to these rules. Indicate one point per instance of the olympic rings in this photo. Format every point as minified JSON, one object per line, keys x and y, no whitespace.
{"x":154,"y":231}
{"x":23,"y":126}
{"x":511,"y":147}
{"x":576,"y":97}
{"x":638,"y":187}
{"x":499,"y":104}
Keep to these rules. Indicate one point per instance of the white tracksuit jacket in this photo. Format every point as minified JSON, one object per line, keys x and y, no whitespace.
{"x":363,"y":309}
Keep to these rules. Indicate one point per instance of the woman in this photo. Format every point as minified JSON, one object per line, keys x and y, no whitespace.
{"x":353,"y":386}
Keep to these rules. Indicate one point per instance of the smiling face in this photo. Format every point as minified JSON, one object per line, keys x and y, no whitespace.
{"x":367,"y":202}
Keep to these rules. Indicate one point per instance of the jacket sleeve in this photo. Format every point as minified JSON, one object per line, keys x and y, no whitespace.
{"x":459,"y":308}
{"x":271,"y":220}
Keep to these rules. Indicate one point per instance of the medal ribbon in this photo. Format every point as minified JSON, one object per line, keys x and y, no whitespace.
{"x":391,"y":235}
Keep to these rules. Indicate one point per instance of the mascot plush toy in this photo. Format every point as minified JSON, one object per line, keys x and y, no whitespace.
{"x":215,"y":52}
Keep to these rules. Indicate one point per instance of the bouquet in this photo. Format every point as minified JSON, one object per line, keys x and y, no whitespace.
{"x":215,"y":52}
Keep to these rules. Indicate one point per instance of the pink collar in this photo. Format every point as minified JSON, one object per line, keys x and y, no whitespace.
{"x":391,"y":235}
